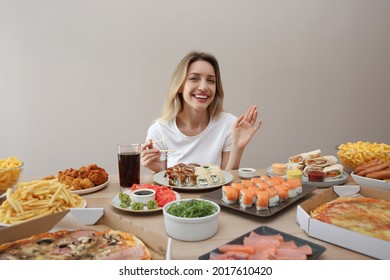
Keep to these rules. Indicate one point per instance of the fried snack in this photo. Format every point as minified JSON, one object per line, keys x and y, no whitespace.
{"x":358,"y":153}
{"x":83,"y":178}
{"x":80,"y":184}
{"x":10,"y":170}
{"x":35,"y":199}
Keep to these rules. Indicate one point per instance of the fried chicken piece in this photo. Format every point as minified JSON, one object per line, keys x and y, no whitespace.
{"x":79,"y":184}
{"x":83,"y":172}
{"x":49,"y":177}
{"x":67,"y":180}
{"x":98,"y":176}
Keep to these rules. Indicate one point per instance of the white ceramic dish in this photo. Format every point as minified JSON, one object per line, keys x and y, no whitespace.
{"x":159,"y":179}
{"x":191,"y":229}
{"x":8,"y":225}
{"x":91,"y":190}
{"x":371,"y":183}
{"x":246,"y":172}
{"x":327,"y":183}
{"x":115,"y":202}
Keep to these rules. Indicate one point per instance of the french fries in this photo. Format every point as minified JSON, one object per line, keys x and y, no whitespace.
{"x":37,"y":198}
{"x":355,"y":154}
{"x":10,"y":169}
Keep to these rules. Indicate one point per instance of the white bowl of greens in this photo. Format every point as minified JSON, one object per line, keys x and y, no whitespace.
{"x":191,"y":219}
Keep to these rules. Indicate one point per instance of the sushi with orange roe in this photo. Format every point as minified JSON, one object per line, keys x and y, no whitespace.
{"x":262,"y":200}
{"x":229,"y":194}
{"x":247,"y":198}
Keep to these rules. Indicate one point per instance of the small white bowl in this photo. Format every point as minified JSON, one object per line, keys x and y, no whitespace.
{"x":246,"y":172}
{"x":143,"y":195}
{"x":191,"y":229}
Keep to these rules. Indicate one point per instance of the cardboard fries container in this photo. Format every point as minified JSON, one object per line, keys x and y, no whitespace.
{"x":92,"y":218}
{"x":361,"y":243}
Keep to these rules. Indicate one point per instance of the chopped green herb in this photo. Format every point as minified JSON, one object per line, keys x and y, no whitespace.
{"x":124,"y":199}
{"x":152,"y":204}
{"x":192,"y":209}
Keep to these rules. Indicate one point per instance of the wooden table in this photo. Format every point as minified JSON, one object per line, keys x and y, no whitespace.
{"x":232,"y":223}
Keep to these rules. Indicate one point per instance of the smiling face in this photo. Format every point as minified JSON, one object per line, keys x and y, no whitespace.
{"x":200,"y":86}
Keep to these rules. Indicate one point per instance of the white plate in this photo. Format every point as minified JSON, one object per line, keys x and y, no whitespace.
{"x":8,"y":225}
{"x":326,"y":183}
{"x":115,"y":201}
{"x":372,"y":183}
{"x":90,"y":190}
{"x":159,"y":179}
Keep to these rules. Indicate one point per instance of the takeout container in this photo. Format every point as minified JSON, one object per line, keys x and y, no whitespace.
{"x":9,"y":177}
{"x":92,"y":218}
{"x":191,"y":229}
{"x":355,"y":241}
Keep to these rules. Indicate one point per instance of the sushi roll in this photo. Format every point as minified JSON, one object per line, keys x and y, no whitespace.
{"x":295,"y":187}
{"x":247,"y":198}
{"x":273,"y":197}
{"x":247,"y":183}
{"x":201,"y":171}
{"x":282,"y":191}
{"x":204,"y":180}
{"x":238,"y":186}
{"x":262,"y":200}
{"x":217,"y":177}
{"x":229,"y":194}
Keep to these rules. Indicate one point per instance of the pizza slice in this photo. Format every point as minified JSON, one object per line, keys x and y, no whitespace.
{"x":365,"y":215}
{"x":77,"y":245}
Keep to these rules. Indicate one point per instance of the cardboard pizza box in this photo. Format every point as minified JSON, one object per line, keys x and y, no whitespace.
{"x":358,"y":242}
{"x":94,"y":218}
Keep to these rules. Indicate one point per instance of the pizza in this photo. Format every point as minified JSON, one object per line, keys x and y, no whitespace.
{"x":367,"y":216}
{"x":83,"y":244}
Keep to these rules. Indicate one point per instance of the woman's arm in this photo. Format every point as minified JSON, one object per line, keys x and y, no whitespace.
{"x":243,"y":130}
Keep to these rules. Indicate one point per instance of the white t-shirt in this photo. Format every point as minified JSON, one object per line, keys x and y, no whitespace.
{"x":206,"y":147}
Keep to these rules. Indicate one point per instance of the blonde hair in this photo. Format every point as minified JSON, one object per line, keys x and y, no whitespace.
{"x":174,"y":103}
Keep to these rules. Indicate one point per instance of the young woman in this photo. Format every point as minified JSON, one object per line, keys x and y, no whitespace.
{"x":194,"y":127}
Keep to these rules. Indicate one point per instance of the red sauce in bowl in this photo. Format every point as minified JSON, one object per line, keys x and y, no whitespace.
{"x":316,"y":176}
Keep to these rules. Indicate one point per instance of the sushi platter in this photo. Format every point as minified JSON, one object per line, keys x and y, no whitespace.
{"x":216,"y":196}
{"x":160,"y":179}
{"x":316,"y":250}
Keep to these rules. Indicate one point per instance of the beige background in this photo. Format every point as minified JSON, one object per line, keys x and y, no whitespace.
{"x":78,"y":77}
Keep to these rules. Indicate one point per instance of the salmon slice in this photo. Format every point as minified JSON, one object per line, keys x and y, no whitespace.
{"x":282,"y":191}
{"x":254,"y":235}
{"x":236,"y":248}
{"x":259,"y":256}
{"x":295,"y":182}
{"x":232,"y":255}
{"x":288,"y":244}
{"x":289,"y":254}
{"x":263,"y":186}
{"x":256,"y":181}
{"x":262,"y":199}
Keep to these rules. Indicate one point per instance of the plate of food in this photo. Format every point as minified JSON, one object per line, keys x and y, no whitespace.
{"x":267,"y":203}
{"x":83,"y":205}
{"x":281,"y":246}
{"x":371,"y":182}
{"x":328,"y":182}
{"x":193,"y":177}
{"x":132,"y":201}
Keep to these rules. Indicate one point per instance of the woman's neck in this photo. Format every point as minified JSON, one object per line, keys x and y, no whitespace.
{"x":191,"y":122}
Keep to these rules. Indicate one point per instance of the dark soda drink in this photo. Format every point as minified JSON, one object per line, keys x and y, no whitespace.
{"x":129,"y":169}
